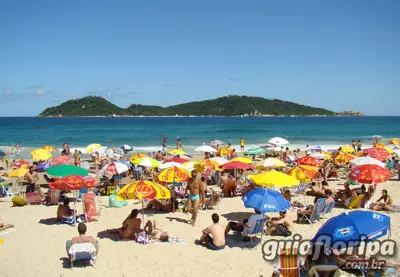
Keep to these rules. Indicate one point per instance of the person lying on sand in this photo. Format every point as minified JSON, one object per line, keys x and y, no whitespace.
{"x":64,"y":210}
{"x":153,"y":231}
{"x":386,"y":205}
{"x":309,"y":210}
{"x":213,"y":237}
{"x":4,"y":227}
{"x":130,"y":226}
{"x":282,"y":226}
{"x":82,"y":238}
{"x":162,"y":205}
{"x":245,"y":224}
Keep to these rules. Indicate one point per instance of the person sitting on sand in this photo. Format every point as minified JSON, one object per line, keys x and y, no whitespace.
{"x":386,"y":205}
{"x":4,"y":227}
{"x":213,"y":237}
{"x":162,"y":205}
{"x":64,"y":210}
{"x":130,"y":226}
{"x":82,"y":238}
{"x":155,"y":232}
{"x":246,"y":223}
{"x":344,"y":195}
{"x":315,"y":190}
{"x":309,"y":210}
{"x":282,"y":226}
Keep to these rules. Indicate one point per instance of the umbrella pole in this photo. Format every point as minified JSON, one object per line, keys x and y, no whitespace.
{"x":143,"y":213}
{"x":75,"y":196}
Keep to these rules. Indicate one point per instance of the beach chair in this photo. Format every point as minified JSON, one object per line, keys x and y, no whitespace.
{"x":289,"y":263}
{"x":257,"y":229}
{"x":328,"y":209}
{"x":82,"y":191}
{"x":355,"y":203}
{"x":215,"y":199}
{"x":82,"y":252}
{"x":5,"y":190}
{"x":314,"y":216}
{"x":90,"y":210}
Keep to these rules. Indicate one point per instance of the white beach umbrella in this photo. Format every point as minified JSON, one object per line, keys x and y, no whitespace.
{"x":318,"y":156}
{"x":320,"y":148}
{"x":189,"y":166}
{"x":114,"y":167}
{"x":397,"y":151}
{"x":170,"y":164}
{"x":220,"y":160}
{"x":205,"y":148}
{"x":273,"y":162}
{"x":278,"y":141}
{"x":366,"y":160}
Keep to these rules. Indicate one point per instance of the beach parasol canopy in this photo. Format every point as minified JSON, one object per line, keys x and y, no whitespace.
{"x":176,"y":160}
{"x":397,"y":152}
{"x":242,"y":160}
{"x":225,"y":151}
{"x":254,"y":151}
{"x":73,"y":183}
{"x":278,"y":141}
{"x":308,"y":160}
{"x":61,"y":160}
{"x":237,"y":165}
{"x":319,"y":155}
{"x":389,"y":150}
{"x":346,"y":149}
{"x":380,"y":145}
{"x":319,"y":148}
{"x":219,"y":160}
{"x":377,"y":153}
{"x":20,"y":163}
{"x":50,"y":148}
{"x":126,"y":147}
{"x":146,"y":162}
{"x":186,"y":157}
{"x":20,"y":172}
{"x":42,"y":167}
{"x":205,"y":148}
{"x":344,"y":158}
{"x":64,"y":170}
{"x":266,"y":201}
{"x":143,"y":190}
{"x":206,"y":164}
{"x":93,"y":147}
{"x":394,"y":141}
{"x":137,"y":156}
{"x":41,"y":155}
{"x":304,"y":173}
{"x":174,"y":174}
{"x":273,"y":162}
{"x":114,"y":168}
{"x":176,"y":152}
{"x":189,"y":166}
{"x":355,"y":226}
{"x":274,"y":178}
{"x":171,"y":164}
{"x":366,"y":160}
{"x":369,"y":174}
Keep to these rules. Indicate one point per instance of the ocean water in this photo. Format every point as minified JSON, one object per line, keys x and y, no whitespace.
{"x":145,"y":133}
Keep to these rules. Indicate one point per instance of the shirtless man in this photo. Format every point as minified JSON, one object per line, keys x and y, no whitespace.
{"x":282,"y":226}
{"x":195,"y":188}
{"x":64,"y":210}
{"x":159,"y":156}
{"x":213,"y":237}
{"x":345,"y":193}
{"x":130,"y":226}
{"x":82,"y":238}
{"x":31,"y":177}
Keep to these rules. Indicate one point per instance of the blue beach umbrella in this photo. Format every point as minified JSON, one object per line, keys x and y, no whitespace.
{"x":353,"y":226}
{"x":43,"y":167}
{"x":265,"y":200}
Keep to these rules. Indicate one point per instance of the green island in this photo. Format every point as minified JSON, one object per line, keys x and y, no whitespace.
{"x":232,"y":105}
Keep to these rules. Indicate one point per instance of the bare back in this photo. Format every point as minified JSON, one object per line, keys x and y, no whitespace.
{"x":218,"y":234}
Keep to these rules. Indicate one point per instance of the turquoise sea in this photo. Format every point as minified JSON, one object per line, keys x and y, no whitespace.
{"x":145,"y":133}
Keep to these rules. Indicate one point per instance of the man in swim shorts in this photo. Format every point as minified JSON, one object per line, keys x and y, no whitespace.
{"x":194,"y":187}
{"x":214,"y":236}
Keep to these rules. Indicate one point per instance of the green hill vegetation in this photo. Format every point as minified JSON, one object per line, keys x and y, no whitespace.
{"x":222,"y":106}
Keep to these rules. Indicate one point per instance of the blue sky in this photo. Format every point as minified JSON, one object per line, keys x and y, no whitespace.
{"x":340,"y":55}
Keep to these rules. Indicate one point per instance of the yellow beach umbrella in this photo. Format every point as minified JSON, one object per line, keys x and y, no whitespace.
{"x":174,"y":174}
{"x":137,"y":156}
{"x":344,"y":158}
{"x":380,"y":145}
{"x":274,"y":178}
{"x":242,"y":160}
{"x":146,"y":162}
{"x":19,"y":172}
{"x":225,"y":151}
{"x":41,"y":155}
{"x":304,"y":173}
{"x":347,"y":149}
{"x":206,"y":164}
{"x":92,"y":147}
{"x":390,"y":150}
{"x":328,"y":156}
{"x":176,"y":152}
{"x":49,"y":148}
{"x":394,"y":141}
{"x":143,"y":190}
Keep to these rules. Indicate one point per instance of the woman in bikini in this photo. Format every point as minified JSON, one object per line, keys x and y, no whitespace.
{"x":386,"y":205}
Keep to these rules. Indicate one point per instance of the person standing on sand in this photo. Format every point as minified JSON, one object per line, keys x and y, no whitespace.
{"x":359,"y":145}
{"x":18,"y":150}
{"x":31,"y":177}
{"x":241,"y":145}
{"x":179,"y":144}
{"x":195,"y":188}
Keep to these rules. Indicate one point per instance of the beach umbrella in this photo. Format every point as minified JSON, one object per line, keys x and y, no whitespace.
{"x":61,"y":160}
{"x":146,"y":162}
{"x":186,"y":157}
{"x":394,"y":141}
{"x":41,"y":155}
{"x":217,"y":142}
{"x":304,"y":173}
{"x":73,"y":182}
{"x":328,"y":156}
{"x":93,"y":147}
{"x":278,"y":141}
{"x":126,"y":147}
{"x":389,"y":150}
{"x":346,"y":149}
{"x":225,"y":151}
{"x":242,"y":160}
{"x":207,"y":164}
{"x":318,"y":155}
{"x":42,"y":167}
{"x":64,"y":170}
{"x":377,"y":153}
{"x":274,"y":178}
{"x":174,"y":174}
{"x":369,"y":174}
{"x":366,"y":160}
{"x":176,"y":152}
{"x":171,"y":164}
{"x":254,"y":151}
{"x":355,"y":226}
{"x":189,"y":166}
{"x":266,"y":201}
{"x":308,"y":160}
{"x":273,"y":162}
{"x":319,"y":148}
{"x":20,"y":163}
{"x":206,"y":148}
{"x":219,"y":160}
{"x":176,"y":160}
{"x":380,"y":145}
{"x":50,"y":148}
{"x":20,"y":172}
{"x":114,"y":168}
{"x":237,"y":165}
{"x":344,"y":158}
{"x":397,"y":152}
{"x":137,"y":156}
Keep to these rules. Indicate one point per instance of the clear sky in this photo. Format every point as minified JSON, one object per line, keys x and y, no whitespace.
{"x":337,"y":54}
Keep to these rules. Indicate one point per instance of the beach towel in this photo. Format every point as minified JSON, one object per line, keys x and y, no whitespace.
{"x":172,"y":240}
{"x":9,"y":230}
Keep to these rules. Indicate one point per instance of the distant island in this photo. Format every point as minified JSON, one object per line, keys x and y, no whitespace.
{"x":232,"y":105}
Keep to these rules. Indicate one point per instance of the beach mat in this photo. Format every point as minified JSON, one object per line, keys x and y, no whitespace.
{"x":6,"y":231}
{"x":172,"y":240}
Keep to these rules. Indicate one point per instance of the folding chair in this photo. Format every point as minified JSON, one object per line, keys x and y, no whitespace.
{"x":314,"y":216}
{"x":82,"y":252}
{"x":257,"y":229}
{"x":328,"y":209}
{"x":289,"y":263}
{"x":90,"y":210}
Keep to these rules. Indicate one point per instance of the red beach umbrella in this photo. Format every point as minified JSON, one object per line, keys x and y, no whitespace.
{"x":61,"y":160}
{"x":176,"y":160}
{"x":19,"y":164}
{"x":73,"y":183}
{"x":308,"y":160}
{"x":377,"y":153}
{"x":237,"y":165}
{"x":369,"y":174}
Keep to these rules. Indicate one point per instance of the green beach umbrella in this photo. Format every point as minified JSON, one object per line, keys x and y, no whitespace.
{"x":64,"y":170}
{"x":254,"y":151}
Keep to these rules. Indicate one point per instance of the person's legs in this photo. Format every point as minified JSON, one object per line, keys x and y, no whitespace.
{"x":196,"y":204}
{"x":67,"y":243}
{"x":4,"y":227}
{"x":203,"y":238}
{"x":234,"y":226}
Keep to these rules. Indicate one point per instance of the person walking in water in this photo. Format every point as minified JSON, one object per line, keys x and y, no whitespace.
{"x":242,"y":145}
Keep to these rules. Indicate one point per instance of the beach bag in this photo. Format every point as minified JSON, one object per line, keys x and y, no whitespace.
{"x":113,"y":202}
{"x":142,"y":238}
{"x":33,"y":198}
{"x":68,"y":219}
{"x":19,"y":201}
